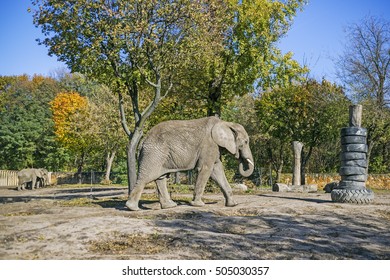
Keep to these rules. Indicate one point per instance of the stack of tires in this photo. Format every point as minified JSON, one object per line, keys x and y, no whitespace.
{"x":353,"y":170}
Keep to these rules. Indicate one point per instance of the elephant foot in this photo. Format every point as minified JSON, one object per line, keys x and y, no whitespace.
{"x":231,"y":203}
{"x":168,"y":205}
{"x":197,"y":203}
{"x":132,"y":206}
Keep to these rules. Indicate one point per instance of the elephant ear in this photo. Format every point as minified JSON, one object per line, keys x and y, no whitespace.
{"x":224,"y":137}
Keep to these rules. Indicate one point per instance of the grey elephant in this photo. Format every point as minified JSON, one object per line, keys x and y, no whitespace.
{"x":43,"y":178}
{"x":174,"y":146}
{"x":32,"y":176}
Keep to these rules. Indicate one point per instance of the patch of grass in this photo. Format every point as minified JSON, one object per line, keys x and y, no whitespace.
{"x":77,"y":202}
{"x":120,"y":243}
{"x":384,"y":214}
{"x":19,"y":214}
{"x":380,"y":191}
{"x":91,"y":202}
{"x":242,"y":212}
{"x":181,"y":188}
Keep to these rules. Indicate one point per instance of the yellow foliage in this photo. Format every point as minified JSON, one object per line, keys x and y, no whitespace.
{"x":66,"y":107}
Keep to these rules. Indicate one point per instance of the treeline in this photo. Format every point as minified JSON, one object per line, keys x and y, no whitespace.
{"x":156,"y":61}
{"x":42,"y":124}
{"x":72,"y":124}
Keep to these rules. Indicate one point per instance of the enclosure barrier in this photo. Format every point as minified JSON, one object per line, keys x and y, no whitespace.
{"x":8,"y":178}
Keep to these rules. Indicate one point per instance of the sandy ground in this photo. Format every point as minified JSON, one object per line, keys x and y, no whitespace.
{"x":92,"y":223}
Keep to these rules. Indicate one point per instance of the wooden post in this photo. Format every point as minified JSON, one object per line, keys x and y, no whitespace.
{"x":355,"y":115}
{"x":297,"y":147}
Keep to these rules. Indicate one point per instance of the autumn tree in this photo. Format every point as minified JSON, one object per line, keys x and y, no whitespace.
{"x":128,"y":45}
{"x":310,"y":112}
{"x":26,"y":128}
{"x":104,"y":126}
{"x":364,"y":67}
{"x":70,"y":110}
{"x":241,"y":53}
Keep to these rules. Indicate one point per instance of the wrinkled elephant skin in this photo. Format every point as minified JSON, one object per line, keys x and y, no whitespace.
{"x":174,"y":146}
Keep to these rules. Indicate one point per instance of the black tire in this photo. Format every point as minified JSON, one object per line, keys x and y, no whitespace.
{"x":357,"y":178}
{"x":353,"y":156}
{"x":352,"y":196}
{"x":353,"y":131}
{"x":351,"y":185}
{"x":360,"y":148}
{"x":352,"y":170}
{"x":353,"y":140}
{"x":357,"y":162}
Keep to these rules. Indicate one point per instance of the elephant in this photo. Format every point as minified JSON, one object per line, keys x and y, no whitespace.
{"x":33,"y":176}
{"x":180,"y":145}
{"x":42,"y":178}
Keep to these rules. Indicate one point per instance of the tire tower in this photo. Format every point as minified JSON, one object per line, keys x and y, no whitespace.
{"x":353,"y":170}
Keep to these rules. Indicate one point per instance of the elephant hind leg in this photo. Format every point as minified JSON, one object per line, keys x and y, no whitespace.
{"x":218,"y":175}
{"x":134,"y":197}
{"x":165,"y":199}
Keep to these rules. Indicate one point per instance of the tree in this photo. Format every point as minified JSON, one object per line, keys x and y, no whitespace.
{"x":26,"y":128}
{"x":241,"y":51}
{"x":365,"y":64}
{"x":70,"y":111}
{"x":365,"y":69}
{"x":106,"y":133}
{"x":127,"y":45}
{"x":310,"y":112}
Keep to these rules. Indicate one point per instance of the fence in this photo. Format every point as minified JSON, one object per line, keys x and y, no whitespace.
{"x":8,"y":178}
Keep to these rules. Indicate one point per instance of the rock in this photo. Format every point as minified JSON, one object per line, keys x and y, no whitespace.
{"x":279,"y":187}
{"x":306,"y":188}
{"x":330,"y":186}
{"x":240,"y":187}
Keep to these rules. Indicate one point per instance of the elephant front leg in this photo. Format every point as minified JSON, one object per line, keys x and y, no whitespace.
{"x":218,"y":175}
{"x":203,"y":176}
{"x":165,"y":199}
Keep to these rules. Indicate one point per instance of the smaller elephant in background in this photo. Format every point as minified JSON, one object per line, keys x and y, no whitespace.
{"x":32,"y":176}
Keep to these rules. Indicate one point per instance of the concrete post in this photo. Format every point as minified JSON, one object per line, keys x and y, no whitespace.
{"x":297,"y":147}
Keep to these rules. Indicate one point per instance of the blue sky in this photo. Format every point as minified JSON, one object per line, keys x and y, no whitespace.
{"x":316,"y":37}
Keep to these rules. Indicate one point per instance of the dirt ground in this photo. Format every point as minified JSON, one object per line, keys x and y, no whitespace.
{"x":92,"y":223}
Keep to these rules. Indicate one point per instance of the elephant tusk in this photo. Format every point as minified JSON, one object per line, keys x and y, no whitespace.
{"x":251,"y":162}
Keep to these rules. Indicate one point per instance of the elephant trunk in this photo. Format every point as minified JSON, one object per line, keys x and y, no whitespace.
{"x":246,"y":165}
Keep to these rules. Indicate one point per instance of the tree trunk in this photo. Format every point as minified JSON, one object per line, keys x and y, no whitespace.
{"x":80,"y":168}
{"x":132,"y":158}
{"x":214,"y":99}
{"x":109,"y":160}
{"x":279,"y":171}
{"x":177,"y":178}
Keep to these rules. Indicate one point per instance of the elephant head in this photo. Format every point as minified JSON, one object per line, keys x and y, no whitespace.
{"x":233,"y":137}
